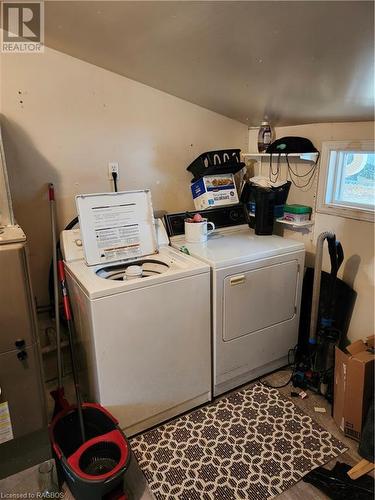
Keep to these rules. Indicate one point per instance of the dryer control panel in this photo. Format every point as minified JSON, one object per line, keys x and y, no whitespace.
{"x":221,"y":217}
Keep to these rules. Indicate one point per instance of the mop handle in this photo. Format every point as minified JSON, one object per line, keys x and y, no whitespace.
{"x":69,"y":320}
{"x":51,"y":196}
{"x":51,"y":192}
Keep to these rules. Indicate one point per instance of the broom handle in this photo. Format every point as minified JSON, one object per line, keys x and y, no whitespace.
{"x":69,"y":320}
{"x":51,"y":195}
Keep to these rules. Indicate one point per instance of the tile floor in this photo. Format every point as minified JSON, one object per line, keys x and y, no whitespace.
{"x":27,"y":482}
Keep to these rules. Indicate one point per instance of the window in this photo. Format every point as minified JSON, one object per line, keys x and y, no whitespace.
{"x":347,"y":179}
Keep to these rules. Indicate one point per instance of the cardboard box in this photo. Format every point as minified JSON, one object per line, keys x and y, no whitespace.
{"x":214,"y":191}
{"x":354,"y":384}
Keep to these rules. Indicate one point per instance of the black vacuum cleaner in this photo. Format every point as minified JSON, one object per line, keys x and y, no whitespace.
{"x":327,"y":304}
{"x":91,"y":452}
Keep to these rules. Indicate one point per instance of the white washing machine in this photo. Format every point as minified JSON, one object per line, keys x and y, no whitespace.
{"x":256,"y":295}
{"x":144,"y":341}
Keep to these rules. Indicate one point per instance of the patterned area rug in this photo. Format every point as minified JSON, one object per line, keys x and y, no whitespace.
{"x":252,"y":444}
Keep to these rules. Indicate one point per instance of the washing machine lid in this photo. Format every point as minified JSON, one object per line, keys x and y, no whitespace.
{"x":116,"y":226}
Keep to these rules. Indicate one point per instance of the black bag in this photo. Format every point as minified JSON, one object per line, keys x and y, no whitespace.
{"x":291,"y":145}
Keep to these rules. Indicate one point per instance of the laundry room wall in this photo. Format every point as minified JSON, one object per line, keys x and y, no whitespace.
{"x":65,"y":119}
{"x":357,"y":237}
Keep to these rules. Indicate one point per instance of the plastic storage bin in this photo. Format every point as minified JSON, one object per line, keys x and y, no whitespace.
{"x":297,"y":213}
{"x":97,"y":467}
{"x":224,"y":161}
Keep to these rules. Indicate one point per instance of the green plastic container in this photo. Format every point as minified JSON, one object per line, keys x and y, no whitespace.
{"x":297,"y":213}
{"x":297,"y":209}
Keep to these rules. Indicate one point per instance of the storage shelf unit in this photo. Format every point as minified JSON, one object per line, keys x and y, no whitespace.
{"x":312,"y":157}
{"x":301,"y":157}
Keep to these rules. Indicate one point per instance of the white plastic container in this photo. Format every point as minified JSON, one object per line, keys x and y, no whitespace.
{"x":296,"y":217}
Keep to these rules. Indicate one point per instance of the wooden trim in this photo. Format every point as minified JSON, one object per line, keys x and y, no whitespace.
{"x":360,"y":469}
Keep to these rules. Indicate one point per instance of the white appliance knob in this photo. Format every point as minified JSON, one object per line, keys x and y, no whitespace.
{"x":78,"y":243}
{"x":133,"y":272}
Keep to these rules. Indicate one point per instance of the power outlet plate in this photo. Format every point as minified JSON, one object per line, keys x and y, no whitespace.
{"x":113,"y":167}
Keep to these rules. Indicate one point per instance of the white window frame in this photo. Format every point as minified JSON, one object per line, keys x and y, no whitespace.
{"x":327,"y":180}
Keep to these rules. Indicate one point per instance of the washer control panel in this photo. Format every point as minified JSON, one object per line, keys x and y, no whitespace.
{"x":71,"y":245}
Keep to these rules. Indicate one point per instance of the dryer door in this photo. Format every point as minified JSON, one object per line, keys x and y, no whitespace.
{"x":258,"y":299}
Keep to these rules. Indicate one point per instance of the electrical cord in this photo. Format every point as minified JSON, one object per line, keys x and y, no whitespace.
{"x":300,"y":175}
{"x":290,"y":364}
{"x":307,"y":184}
{"x":272,"y":173}
{"x":310,"y":174}
{"x":309,"y":360}
{"x":114,"y":177}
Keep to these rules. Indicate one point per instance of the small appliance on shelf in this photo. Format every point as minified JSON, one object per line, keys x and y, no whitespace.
{"x":264,"y":204}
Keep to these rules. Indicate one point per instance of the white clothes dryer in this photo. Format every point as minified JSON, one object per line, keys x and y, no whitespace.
{"x":256,"y":294}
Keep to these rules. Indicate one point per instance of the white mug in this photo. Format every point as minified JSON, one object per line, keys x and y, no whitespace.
{"x":197,"y":232}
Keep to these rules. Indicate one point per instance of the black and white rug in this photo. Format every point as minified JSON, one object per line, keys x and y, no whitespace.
{"x":253,"y":444}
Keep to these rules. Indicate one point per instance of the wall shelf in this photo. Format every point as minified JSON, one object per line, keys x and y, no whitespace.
{"x":292,"y":225}
{"x":296,"y":225}
{"x":311,"y":157}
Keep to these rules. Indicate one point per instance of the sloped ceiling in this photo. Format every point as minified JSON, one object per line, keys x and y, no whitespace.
{"x":295,"y":62}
